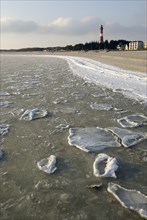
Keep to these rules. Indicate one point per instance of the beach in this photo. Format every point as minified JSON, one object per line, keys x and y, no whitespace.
{"x":71,"y":109}
{"x":130,"y":60}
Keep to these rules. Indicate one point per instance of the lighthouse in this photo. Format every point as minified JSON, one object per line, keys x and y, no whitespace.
{"x":101,"y":34}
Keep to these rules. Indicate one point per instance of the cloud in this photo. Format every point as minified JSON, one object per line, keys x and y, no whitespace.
{"x":9,"y":25}
{"x":61,"y":22}
{"x":70,"y":26}
{"x":126,"y":32}
{"x":67,"y":26}
{"x":61,"y":25}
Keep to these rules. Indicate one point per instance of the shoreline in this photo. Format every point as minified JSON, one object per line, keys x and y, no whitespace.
{"x":128,"y":60}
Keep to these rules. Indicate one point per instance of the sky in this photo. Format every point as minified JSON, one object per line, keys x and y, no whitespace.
{"x":45,"y":23}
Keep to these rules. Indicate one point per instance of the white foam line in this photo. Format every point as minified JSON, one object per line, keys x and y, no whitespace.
{"x":132,"y":84}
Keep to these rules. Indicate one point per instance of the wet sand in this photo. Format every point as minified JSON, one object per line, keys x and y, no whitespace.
{"x":130,"y":60}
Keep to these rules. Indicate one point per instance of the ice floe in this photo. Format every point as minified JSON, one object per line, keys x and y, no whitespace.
{"x":17,"y":112}
{"x":32,"y":114}
{"x":97,"y":94}
{"x":4,"y":104}
{"x":104,"y":106}
{"x":63,"y":126}
{"x":131,"y":199}
{"x":94,"y":186}
{"x":92,"y":139}
{"x":60,"y":100}
{"x":110,"y":169}
{"x":96,"y":139}
{"x":131,"y":121}
{"x":4,"y":129}
{"x":48,"y":164}
{"x":126,"y":137}
{"x":4,"y":93}
{"x":120,"y":111}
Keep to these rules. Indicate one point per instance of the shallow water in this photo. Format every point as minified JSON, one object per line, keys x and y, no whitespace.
{"x":29,"y":82}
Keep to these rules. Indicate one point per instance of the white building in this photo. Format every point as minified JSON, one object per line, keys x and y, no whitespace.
{"x":126,"y":47}
{"x":122,"y":47}
{"x":145,"y":45}
{"x":136,"y":45}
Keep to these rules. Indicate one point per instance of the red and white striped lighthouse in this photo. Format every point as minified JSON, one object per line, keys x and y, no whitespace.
{"x":101,"y":34}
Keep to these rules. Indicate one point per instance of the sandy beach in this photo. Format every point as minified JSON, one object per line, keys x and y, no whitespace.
{"x":130,"y":60}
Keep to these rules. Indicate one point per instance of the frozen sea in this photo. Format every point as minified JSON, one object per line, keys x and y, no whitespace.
{"x":76,"y":93}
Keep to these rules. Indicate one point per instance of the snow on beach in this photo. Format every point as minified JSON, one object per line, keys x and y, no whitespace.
{"x":132,"y":84}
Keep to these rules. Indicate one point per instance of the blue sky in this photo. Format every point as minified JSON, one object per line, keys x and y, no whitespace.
{"x":58,"y":23}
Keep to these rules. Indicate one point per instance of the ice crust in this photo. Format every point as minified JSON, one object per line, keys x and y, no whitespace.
{"x":131,"y":199}
{"x":48,"y":164}
{"x":111,"y":166}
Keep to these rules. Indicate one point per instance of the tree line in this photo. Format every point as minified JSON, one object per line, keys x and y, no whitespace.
{"x":94,"y":45}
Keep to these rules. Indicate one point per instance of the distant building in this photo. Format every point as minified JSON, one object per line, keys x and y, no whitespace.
{"x":121,"y":46}
{"x":145,"y":45}
{"x":136,"y":45}
{"x":126,"y":47}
